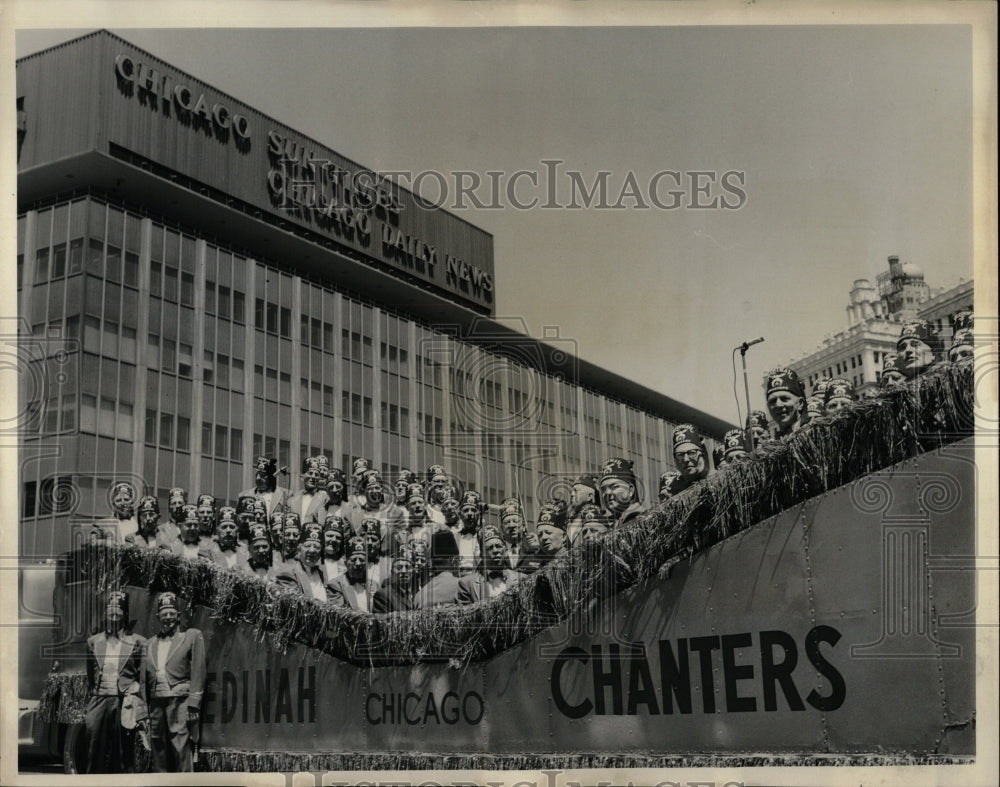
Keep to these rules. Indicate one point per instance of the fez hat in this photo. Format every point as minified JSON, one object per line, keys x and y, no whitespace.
{"x":592,"y":513}
{"x":783,"y":379}
{"x":757,"y":418}
{"x":553,"y":514}
{"x":687,"y":433}
{"x":166,"y":600}
{"x":839,"y":389}
{"x":490,"y":533}
{"x":258,"y":533}
{"x":667,"y":478}
{"x":620,"y":468}
{"x":471,"y":498}
{"x":734,"y":441}
{"x":356,"y":546}
{"x":922,"y":330}
{"x":148,"y":504}
{"x":312,"y":532}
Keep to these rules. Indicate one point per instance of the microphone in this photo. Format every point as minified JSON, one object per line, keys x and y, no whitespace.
{"x":747,"y":345}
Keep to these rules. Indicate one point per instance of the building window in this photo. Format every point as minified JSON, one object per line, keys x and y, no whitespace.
{"x":29,"y":495}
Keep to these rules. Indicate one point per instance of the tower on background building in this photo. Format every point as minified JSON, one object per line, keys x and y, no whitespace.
{"x":874,"y":317}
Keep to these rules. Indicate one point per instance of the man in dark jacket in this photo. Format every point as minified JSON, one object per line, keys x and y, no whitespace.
{"x":494,"y":577}
{"x":114,"y":664}
{"x":173,"y":669}
{"x":396,"y":593}
{"x":620,"y":491}
{"x":350,"y":589}
{"x":303,"y":573}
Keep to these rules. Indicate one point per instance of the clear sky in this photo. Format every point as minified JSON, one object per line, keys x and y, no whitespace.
{"x":856,"y":143}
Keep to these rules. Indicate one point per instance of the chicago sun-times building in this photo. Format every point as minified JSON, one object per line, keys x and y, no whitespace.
{"x":199,"y":283}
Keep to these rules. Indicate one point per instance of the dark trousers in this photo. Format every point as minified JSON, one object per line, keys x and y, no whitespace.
{"x":169,"y":737}
{"x":109,"y":747}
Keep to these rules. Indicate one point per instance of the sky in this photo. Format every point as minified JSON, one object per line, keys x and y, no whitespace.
{"x":850,"y":144}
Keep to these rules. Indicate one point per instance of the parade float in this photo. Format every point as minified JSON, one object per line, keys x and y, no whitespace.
{"x":813,"y":604}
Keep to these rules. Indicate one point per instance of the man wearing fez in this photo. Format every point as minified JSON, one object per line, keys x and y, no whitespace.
{"x":401,"y":491}
{"x":759,"y":427}
{"x":443,"y":586}
{"x":669,"y":481}
{"x":259,"y":558}
{"x":336,"y":492}
{"x":350,"y":589}
{"x":785,"y":401}
{"x":839,"y":394}
{"x":275,"y":529}
{"x":963,"y":346}
{"x":892,"y":370}
{"x":583,"y":492}
{"x":303,"y":573}
{"x":359,"y":468}
{"x":379,"y":563}
{"x":620,"y":491}
{"x":227,"y":553}
{"x":206,"y":522}
{"x":265,"y":484}
{"x":188,"y":543}
{"x":595,"y":523}
{"x":495,"y":577}
{"x":114,"y":667}
{"x":291,"y":534}
{"x":123,"y":523}
{"x":522,"y":546}
{"x":245,"y":516}
{"x":173,"y":668}
{"x":149,"y":534}
{"x":336,"y":530}
{"x":814,"y":407}
{"x":421,"y":562}
{"x":396,"y":593}
{"x":551,"y":529}
{"x":373,"y":497}
{"x":176,"y":500}
{"x":419,"y":526}
{"x":470,"y":513}
{"x":437,"y":487}
{"x":734,"y":446}
{"x":919,"y":347}
{"x":310,"y":501}
{"x":449,"y":509}
{"x":690,"y":456}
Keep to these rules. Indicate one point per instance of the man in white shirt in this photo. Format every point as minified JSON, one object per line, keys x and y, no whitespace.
{"x":188,"y":543}
{"x":494,"y":577}
{"x":303,"y":573}
{"x":470,"y":512}
{"x":266,"y":484}
{"x":336,"y":530}
{"x":309,"y":503}
{"x":114,"y":661}
{"x":350,"y":589}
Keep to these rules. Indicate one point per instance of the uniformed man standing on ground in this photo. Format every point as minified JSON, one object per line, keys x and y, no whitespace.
{"x":173,"y":670}
{"x":114,"y":663}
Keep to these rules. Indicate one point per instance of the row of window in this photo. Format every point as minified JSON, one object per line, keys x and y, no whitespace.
{"x":92,"y":255}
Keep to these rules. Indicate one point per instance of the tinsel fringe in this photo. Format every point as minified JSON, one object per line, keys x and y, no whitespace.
{"x":831,"y":452}
{"x":64,"y":698}
{"x":235,"y":760}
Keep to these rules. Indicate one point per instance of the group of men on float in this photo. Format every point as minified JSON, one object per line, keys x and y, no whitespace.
{"x":426,"y":546}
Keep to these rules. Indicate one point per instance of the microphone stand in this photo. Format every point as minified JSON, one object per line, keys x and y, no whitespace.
{"x":747,"y":439}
